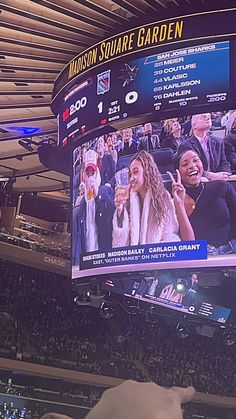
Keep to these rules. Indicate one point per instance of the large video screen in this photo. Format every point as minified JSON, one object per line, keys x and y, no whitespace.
{"x":157,"y":195}
{"x":178,"y":290}
{"x":160,"y":82}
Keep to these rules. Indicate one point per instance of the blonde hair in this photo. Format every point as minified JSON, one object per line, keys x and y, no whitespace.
{"x":168,"y":125}
{"x":153,"y":182}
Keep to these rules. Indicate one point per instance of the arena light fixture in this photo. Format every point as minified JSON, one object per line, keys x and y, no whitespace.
{"x":27,"y":145}
{"x":182,"y":330}
{"x":19,"y":157}
{"x":106,"y":310}
{"x":83,"y":300}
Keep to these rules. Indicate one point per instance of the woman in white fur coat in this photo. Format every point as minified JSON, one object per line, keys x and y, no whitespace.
{"x":150,"y":215}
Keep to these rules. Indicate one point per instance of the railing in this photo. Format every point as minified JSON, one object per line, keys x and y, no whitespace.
{"x":99,"y":381}
{"x":75,"y":411}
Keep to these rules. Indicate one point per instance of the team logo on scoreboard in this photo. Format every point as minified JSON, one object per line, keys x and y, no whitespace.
{"x":129,"y":74}
{"x":103,"y":82}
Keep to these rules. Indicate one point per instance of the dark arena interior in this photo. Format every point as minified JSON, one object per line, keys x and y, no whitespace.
{"x":118,"y":209}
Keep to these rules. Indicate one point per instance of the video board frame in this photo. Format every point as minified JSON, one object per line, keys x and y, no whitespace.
{"x":147,"y":254}
{"x":78,"y":72}
{"x":179,"y":290}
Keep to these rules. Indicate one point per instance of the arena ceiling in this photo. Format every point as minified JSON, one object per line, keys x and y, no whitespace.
{"x":38,"y":38}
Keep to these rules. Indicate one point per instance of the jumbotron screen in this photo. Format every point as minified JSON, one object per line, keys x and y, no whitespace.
{"x":155,"y":196}
{"x":150,"y":114}
{"x":179,"y":290}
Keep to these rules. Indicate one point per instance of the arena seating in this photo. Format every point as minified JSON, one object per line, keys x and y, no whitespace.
{"x":40,"y":323}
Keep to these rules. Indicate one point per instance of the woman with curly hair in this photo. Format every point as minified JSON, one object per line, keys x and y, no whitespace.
{"x":149,"y":215}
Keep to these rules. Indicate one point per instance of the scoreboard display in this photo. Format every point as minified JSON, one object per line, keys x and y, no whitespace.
{"x":161,"y":290}
{"x":181,"y":79}
{"x":117,"y":103}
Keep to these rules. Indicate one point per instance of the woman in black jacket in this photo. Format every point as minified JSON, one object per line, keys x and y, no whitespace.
{"x":210,"y":206}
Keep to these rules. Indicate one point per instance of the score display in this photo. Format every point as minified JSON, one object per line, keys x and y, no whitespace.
{"x":160,"y":82}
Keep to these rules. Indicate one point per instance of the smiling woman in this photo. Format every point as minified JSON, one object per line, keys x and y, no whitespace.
{"x":148,"y":215}
{"x":191,"y":168}
{"x":210,"y":206}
